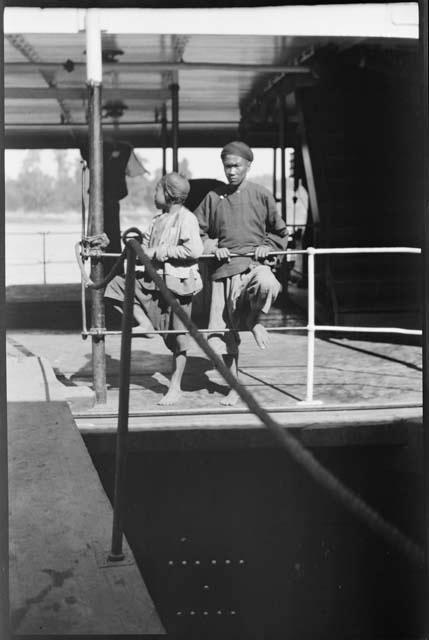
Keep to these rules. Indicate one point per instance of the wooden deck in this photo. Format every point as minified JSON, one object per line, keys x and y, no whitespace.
{"x":365,"y":388}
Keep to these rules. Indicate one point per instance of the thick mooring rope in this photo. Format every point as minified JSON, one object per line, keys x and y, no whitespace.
{"x":352,"y":501}
{"x":348,"y":498}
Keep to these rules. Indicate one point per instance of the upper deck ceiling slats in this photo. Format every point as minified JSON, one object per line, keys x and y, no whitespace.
{"x":206,"y":95}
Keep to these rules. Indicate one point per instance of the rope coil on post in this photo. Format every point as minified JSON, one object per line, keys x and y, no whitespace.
{"x":82,"y":253}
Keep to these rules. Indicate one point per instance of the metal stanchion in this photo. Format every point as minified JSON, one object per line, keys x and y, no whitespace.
{"x":423,"y":54}
{"x":116,"y":553}
{"x":44,"y":256}
{"x":174,"y":88}
{"x":164,"y":138}
{"x":275,"y":173}
{"x":94,"y":81}
{"x":310,"y":331}
{"x":282,"y":145}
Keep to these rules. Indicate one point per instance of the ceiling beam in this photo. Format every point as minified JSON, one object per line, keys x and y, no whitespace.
{"x":62,"y":137}
{"x":32,"y":126}
{"x":20,"y":43}
{"x":23,"y":67}
{"x":280,"y":84}
{"x":81,"y":93}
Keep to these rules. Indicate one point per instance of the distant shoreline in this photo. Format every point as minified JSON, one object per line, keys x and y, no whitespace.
{"x":50,"y":221}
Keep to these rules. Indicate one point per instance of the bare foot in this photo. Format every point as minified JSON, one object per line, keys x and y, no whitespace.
{"x":231,"y":399}
{"x":261,"y":336}
{"x":171,"y":397}
{"x":141,"y":330}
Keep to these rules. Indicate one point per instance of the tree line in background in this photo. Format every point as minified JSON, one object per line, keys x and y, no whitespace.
{"x":35,"y":190}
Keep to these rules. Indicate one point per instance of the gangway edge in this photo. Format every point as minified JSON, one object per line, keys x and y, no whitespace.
{"x":60,"y":525}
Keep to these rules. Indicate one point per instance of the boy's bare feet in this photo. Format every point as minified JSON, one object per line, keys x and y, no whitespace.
{"x":261,"y":335}
{"x":231,"y":399}
{"x":171,"y":397}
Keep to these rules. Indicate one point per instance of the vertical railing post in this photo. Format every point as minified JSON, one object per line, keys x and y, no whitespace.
{"x":310,"y":330}
{"x":424,"y":176}
{"x":44,"y":256}
{"x":5,"y":587}
{"x":94,"y":83}
{"x":164,"y":138}
{"x":116,"y":552}
{"x":174,"y":88}
{"x":282,"y":145}
{"x":310,"y":326}
{"x":275,"y":173}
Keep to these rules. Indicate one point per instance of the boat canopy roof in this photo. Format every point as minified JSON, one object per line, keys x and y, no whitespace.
{"x":222,"y":59}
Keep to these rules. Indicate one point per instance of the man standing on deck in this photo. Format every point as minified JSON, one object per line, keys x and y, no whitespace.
{"x":240,"y":218}
{"x":119,"y":162}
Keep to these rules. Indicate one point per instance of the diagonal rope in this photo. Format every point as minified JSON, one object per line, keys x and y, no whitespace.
{"x":348,"y":498}
{"x":345,"y":496}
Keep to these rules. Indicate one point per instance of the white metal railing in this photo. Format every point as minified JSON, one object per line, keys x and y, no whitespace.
{"x":38,"y":255}
{"x":311,"y":325}
{"x":311,"y":328}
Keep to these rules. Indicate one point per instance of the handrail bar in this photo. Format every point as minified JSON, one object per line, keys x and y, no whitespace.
{"x":311,"y":328}
{"x":41,"y":233}
{"x":318,"y":251}
{"x":333,"y":328}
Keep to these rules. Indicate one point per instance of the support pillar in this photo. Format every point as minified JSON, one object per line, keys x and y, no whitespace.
{"x":275,"y":173}
{"x":96,"y":214}
{"x":164,"y":138}
{"x":5,"y":631}
{"x":282,"y":145}
{"x":116,"y":552}
{"x":174,"y":88}
{"x":423,"y":54}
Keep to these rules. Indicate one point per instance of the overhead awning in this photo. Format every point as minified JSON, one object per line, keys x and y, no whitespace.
{"x":222,"y":59}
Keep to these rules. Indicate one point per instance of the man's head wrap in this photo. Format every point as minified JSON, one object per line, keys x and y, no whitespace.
{"x":176,"y":187}
{"x":237,"y":148}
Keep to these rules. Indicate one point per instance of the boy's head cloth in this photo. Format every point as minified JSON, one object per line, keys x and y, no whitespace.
{"x":175,"y":186}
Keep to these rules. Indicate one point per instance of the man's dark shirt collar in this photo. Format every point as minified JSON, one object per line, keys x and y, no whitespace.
{"x":229,"y":189}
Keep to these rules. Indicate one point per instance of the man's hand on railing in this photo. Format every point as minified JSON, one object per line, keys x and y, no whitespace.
{"x":262,"y":255}
{"x":262,"y":252}
{"x":223,"y":254}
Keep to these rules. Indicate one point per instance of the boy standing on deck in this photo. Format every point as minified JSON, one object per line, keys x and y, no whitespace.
{"x":240,"y":218}
{"x":173,"y":243}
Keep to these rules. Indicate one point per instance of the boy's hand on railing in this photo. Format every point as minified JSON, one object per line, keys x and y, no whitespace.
{"x":150,"y":252}
{"x":223,"y":254}
{"x":161,"y":253}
